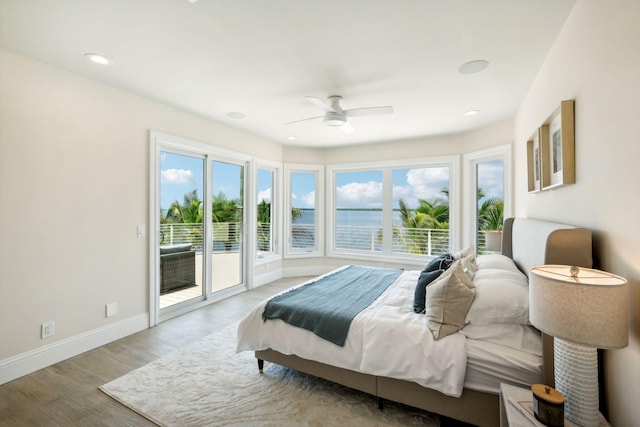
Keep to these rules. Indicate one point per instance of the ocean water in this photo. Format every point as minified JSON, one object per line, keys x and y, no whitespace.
{"x":350,"y":217}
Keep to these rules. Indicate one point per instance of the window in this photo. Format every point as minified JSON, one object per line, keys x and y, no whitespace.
{"x":490,"y":207}
{"x":393,"y":210}
{"x":267,"y":215}
{"x":487,"y":190}
{"x":304,"y":211}
{"x":358,"y":211}
{"x":421,"y":210}
{"x":264,"y":218}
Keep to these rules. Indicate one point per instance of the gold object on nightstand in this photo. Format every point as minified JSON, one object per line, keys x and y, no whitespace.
{"x":548,"y":405}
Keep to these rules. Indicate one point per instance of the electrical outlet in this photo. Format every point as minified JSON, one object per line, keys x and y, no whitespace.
{"x":48,"y":329}
{"x":112,"y":309}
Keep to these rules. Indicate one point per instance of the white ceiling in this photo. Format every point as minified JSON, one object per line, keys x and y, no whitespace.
{"x":262,"y":57}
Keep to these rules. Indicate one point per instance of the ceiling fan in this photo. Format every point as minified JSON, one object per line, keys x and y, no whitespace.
{"x":335,"y":116}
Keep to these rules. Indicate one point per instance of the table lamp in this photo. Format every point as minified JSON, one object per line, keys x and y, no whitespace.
{"x":583,"y":309}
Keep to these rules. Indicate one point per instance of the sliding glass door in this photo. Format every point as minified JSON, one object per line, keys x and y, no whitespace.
{"x":198,"y":244}
{"x":227,"y":212}
{"x":181,"y":233}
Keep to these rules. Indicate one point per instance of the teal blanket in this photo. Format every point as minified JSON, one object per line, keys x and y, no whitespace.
{"x":327,"y":306}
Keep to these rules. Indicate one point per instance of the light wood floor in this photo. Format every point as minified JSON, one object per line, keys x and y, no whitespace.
{"x":66,"y":394}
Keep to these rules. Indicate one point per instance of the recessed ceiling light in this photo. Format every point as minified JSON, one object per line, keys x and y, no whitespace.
{"x":235,"y":115}
{"x":472,"y":67}
{"x":97,"y":58}
{"x":291,"y":138}
{"x":471,"y":112}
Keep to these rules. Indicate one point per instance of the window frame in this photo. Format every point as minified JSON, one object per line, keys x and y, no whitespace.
{"x":318,"y":170}
{"x":470,"y":203}
{"x":276,"y":211}
{"x":386,"y":255}
{"x":158,"y":142}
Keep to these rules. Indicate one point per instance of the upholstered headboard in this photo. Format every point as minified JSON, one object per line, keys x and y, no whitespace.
{"x":532,"y":242}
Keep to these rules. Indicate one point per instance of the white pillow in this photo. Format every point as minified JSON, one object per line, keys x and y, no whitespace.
{"x":501,"y":297}
{"x":448,"y":300}
{"x":463,"y":253}
{"x":498,"y":261}
{"x":521,"y":337}
{"x":469,"y":266}
{"x":467,"y":258}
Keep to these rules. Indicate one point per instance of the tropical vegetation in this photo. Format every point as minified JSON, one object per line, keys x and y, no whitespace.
{"x":434,"y":215}
{"x":491,"y":214}
{"x":414,"y":234}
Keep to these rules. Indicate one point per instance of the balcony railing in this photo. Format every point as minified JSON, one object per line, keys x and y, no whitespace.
{"x":417,"y":241}
{"x":303,"y":236}
{"x":227,"y":237}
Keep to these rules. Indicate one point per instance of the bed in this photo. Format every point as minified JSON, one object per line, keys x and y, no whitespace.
{"x":393,"y":353}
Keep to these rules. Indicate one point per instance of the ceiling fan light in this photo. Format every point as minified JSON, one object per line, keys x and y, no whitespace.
{"x":333,"y":119}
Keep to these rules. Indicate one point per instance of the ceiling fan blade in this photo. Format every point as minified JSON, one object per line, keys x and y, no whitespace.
{"x":346,"y":128}
{"x":304,"y":120}
{"x":369,"y":111}
{"x":321,"y":104}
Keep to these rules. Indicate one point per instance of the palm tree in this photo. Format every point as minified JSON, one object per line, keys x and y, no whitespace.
{"x":227,"y":213}
{"x":264,"y":225}
{"x":225,"y":210}
{"x":295,"y":213}
{"x":490,"y":214}
{"x":187,"y":212}
{"x":428,"y":215}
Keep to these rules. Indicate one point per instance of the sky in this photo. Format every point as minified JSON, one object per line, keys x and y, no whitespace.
{"x":363,"y":189}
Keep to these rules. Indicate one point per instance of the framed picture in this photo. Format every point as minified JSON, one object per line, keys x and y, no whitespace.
{"x":533,"y":162}
{"x":557,"y":147}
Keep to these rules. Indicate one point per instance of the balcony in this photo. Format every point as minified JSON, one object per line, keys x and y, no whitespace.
{"x":227,"y":238}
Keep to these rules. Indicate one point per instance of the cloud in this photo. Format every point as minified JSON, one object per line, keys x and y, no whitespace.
{"x":422,"y":183}
{"x":264,"y":195}
{"x":427,"y":183}
{"x":402,"y":192}
{"x":359,"y":195}
{"x":176,"y":176}
{"x":491,"y":180}
{"x":307,"y":200}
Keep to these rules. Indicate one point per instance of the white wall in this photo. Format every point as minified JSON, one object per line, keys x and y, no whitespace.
{"x":74,"y":172}
{"x":596,"y":61}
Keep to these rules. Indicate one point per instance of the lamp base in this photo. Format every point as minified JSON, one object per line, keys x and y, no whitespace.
{"x":576,"y":372}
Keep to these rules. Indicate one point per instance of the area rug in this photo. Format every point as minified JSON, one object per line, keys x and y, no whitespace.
{"x":207,"y":384}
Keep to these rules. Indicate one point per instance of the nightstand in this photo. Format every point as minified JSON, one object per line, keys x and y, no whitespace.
{"x":510,"y":416}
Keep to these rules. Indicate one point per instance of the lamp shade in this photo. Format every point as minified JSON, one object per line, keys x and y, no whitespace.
{"x":581,"y":305}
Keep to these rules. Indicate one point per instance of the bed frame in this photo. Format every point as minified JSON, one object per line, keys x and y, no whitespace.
{"x":528,"y":242}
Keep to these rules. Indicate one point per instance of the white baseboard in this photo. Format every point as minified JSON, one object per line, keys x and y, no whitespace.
{"x":33,"y":360}
{"x":265,"y":278}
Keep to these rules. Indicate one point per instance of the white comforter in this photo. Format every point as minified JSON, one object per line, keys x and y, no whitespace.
{"x":386,"y":339}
